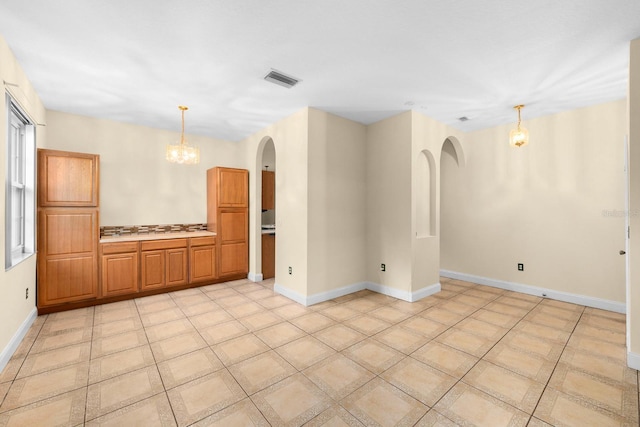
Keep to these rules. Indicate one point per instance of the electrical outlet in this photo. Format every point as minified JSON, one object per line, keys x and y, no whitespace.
{"x":290,"y":270}
{"x":520,"y":267}
{"x":383,"y":267}
{"x":26,"y":293}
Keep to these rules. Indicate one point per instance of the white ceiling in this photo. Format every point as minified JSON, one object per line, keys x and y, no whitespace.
{"x":137,"y":60}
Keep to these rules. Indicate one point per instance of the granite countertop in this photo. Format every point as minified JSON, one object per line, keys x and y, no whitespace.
{"x":155,"y":236}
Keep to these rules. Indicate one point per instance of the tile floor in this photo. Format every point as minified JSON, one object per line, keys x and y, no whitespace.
{"x":239,"y":354}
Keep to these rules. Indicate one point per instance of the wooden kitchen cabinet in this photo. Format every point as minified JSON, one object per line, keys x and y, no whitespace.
{"x":67,"y":179}
{"x":268,"y":256}
{"x":119,"y":268}
{"x":268,"y":190}
{"x":202,"y":259}
{"x":163,"y":263}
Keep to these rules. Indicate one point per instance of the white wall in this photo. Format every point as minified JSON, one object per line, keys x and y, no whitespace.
{"x":544,"y":205}
{"x":137,"y":184}
{"x":14,"y":308}
{"x":336,"y":209}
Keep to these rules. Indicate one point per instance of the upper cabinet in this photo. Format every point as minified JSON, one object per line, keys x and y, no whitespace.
{"x":67,"y":179}
{"x":268,"y":190}
{"x":228,"y":187}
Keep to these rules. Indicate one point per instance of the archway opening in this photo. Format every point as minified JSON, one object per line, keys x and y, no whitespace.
{"x":426,"y":195}
{"x":268,"y":209}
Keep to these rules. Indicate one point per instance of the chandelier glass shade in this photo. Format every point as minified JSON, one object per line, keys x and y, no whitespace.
{"x":519,"y":137}
{"x":183,"y":153}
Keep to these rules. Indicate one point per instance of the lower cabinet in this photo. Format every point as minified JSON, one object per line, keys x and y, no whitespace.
{"x":163,"y":263}
{"x":202,"y":259}
{"x":268,"y":256}
{"x":119,"y":268}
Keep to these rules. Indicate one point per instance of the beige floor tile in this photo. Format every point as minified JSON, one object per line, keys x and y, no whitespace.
{"x":600,"y":333}
{"x":420,"y":381}
{"x":556,"y":335}
{"x":514,"y":389}
{"x":291,"y":402}
{"x":115,"y":343}
{"x":338,"y":376}
{"x":4,"y":388}
{"x":260,"y":294}
{"x":121,"y":391}
{"x":43,"y":386}
{"x":246,"y":309}
{"x":274,"y":302}
{"x":53,"y":327}
{"x":162,"y":316}
{"x":523,"y":362}
{"x":212,"y":318}
{"x":72,"y":314}
{"x":598,"y":347}
{"x":243,"y":413}
{"x":280,"y":334}
{"x":155,"y":303}
{"x":201,"y":308}
{"x":605,"y":313}
{"x":204,"y":397}
{"x":169,"y":329}
{"x":465,"y":405}
{"x":464,"y":341}
{"x":366,"y":324}
{"x":53,"y":359}
{"x":192,"y":300}
{"x":484,"y":292}
{"x":335,"y":416}
{"x":516,"y":302}
{"x":615,"y":324}
{"x":441,"y":315}
{"x":435,"y":419}
{"x":452,"y":287}
{"x":415,"y":307}
{"x":550,"y":320}
{"x":363,"y":305}
{"x":559,"y":409}
{"x":401,"y":339}
{"x":380,"y":403}
{"x":246,"y":288}
{"x":546,"y":302}
{"x":291,"y":310}
{"x":447,"y":359}
{"x":482,"y":329}
{"x":239,"y":349}
{"x":116,"y":364}
{"x":613,"y":396}
{"x":117,"y":327}
{"x":110,"y":316}
{"x":445,"y":294}
{"x":423,"y":326}
{"x":305,"y":352}
{"x":12,"y":368}
{"x":390,"y":314}
{"x":471,"y":300}
{"x":373,"y":355}
{"x":64,"y":409}
{"x":535,"y":422}
{"x":261,"y":371}
{"x":599,"y":366}
{"x":260,"y":320}
{"x":155,"y":411}
{"x":458,"y":307}
{"x":507,"y":309}
{"x":340,"y":312}
{"x":223,"y":332}
{"x":503,"y":320}
{"x":188,"y":367}
{"x":64,"y":339}
{"x":572,"y":314}
{"x":532,"y":344}
{"x":232,"y":300}
{"x":177,"y":346}
{"x":218,"y":291}
{"x":339,"y":336}
{"x":312,"y":322}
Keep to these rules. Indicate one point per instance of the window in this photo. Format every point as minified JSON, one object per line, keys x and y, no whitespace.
{"x":19,"y":189}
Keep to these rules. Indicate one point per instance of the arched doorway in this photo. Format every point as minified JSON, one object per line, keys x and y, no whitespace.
{"x":266,"y":208}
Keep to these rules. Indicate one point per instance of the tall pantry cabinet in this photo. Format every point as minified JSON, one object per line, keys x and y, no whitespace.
{"x":68,"y":222}
{"x":228,"y":217}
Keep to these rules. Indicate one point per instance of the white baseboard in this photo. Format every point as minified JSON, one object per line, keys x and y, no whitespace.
{"x":255,"y":277}
{"x":355,"y":287}
{"x":633,"y":360}
{"x":618,"y":307}
{"x":17,"y":338}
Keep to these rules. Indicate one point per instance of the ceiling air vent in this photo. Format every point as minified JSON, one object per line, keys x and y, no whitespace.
{"x":281,"y":79}
{"x":463,"y":118}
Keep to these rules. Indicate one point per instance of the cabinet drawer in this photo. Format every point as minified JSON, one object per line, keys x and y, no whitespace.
{"x":118,"y":248}
{"x":203,"y":241}
{"x":153,"y":245}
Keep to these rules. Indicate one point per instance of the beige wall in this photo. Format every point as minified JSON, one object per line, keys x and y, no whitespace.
{"x":14,"y":308}
{"x":290,"y":137}
{"x":543,"y":205}
{"x":388,"y":201}
{"x":336,"y":208}
{"x":137,"y":184}
{"x":633,"y":302}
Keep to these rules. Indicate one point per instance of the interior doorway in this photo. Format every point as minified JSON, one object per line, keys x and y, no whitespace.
{"x":268,"y":210}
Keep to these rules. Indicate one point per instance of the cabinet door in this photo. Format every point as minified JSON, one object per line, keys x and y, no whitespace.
{"x":202,"y":263}
{"x":176,"y":260}
{"x":233,"y":188}
{"x":268,"y":256}
{"x":67,"y":179}
{"x":233,"y":225}
{"x":268,"y":190}
{"x":67,"y":255}
{"x":152,"y":269}
{"x":119,"y":274}
{"x":234,"y":259}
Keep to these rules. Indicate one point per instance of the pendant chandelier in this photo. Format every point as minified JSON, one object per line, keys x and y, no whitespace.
{"x":183,"y":153}
{"x":519,"y":137}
